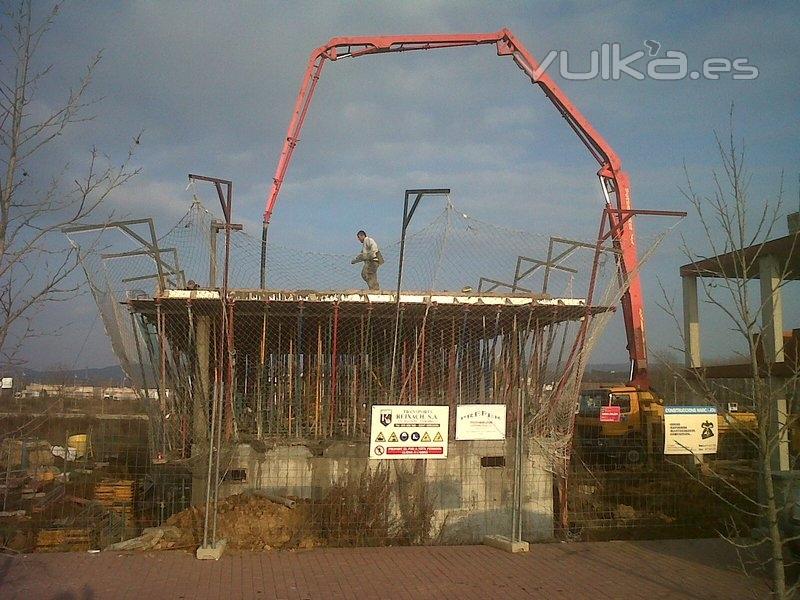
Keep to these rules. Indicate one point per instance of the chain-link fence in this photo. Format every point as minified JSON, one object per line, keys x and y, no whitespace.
{"x":313,"y":412}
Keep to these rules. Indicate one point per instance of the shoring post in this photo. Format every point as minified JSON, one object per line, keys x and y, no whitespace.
{"x":358,"y":368}
{"x":451,"y":367}
{"x":415,"y":366}
{"x":368,"y":359}
{"x":230,"y":357}
{"x":421,"y":382}
{"x":318,"y":385}
{"x":298,"y":399}
{"x":334,"y":365}
{"x":260,"y":380}
{"x":162,"y":372}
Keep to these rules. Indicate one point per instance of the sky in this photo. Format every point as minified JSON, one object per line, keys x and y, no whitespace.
{"x":212,"y":86}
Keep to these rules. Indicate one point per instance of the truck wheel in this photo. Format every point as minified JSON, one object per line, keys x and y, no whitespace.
{"x":633,"y":456}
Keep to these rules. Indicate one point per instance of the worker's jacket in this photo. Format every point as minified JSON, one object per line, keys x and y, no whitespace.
{"x":370,"y":252}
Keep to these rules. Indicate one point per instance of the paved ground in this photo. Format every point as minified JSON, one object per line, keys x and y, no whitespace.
{"x":657,"y":569}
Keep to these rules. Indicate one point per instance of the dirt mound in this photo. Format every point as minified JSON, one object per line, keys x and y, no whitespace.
{"x":249,"y":522}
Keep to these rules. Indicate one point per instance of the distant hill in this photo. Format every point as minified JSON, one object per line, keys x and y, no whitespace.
{"x":606,"y":372}
{"x":111,"y":375}
{"x":618,"y":367}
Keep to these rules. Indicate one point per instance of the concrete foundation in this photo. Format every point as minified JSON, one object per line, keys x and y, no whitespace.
{"x":505,"y":544}
{"x":472,"y":488}
{"x":211,"y":552}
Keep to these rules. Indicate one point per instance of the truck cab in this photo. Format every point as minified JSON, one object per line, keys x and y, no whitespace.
{"x":620,"y":422}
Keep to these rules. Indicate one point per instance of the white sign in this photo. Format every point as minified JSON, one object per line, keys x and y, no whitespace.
{"x":7,"y":383}
{"x":403,"y":432}
{"x":690,"y":430}
{"x":481,"y":422}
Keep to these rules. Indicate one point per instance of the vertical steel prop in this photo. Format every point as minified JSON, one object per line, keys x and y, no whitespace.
{"x":298,"y":370}
{"x":334,"y":365}
{"x":260,"y":379}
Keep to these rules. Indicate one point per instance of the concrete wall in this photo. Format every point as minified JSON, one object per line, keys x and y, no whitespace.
{"x":470,"y":500}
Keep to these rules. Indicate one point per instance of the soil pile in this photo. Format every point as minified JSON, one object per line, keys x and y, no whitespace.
{"x":250,"y":522}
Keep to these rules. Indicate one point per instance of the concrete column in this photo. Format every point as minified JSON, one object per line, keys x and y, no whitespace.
{"x":538,"y":521}
{"x":771,"y":308}
{"x":691,"y":322}
{"x":200,"y":406}
{"x":772,"y":342}
{"x":202,"y":396}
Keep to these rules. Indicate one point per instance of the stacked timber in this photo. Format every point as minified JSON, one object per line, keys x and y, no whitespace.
{"x":62,"y":540}
{"x":116,"y":495}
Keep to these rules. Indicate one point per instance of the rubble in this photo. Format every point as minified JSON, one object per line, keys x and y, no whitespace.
{"x":623,"y":511}
{"x":153,"y":538}
{"x":246,"y":521}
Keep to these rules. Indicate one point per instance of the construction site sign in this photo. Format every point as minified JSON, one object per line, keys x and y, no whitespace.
{"x":610,"y":414}
{"x":408,"y":432}
{"x":690,"y":430}
{"x":481,"y":422}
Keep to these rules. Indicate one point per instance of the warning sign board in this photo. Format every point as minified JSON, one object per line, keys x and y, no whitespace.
{"x":409,"y":432}
{"x":481,"y":422}
{"x":690,"y":430}
{"x":610,"y":414}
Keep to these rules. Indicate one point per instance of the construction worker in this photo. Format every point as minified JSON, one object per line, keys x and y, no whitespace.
{"x":372,"y":258}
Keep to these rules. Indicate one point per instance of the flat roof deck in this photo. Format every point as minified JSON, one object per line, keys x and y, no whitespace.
{"x":731,"y":264}
{"x":311,"y":363}
{"x":383,"y":303}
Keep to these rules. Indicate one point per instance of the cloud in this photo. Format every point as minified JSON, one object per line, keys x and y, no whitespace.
{"x":213,"y":89}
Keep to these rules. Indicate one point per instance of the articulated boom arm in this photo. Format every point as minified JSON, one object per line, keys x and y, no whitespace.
{"x":613,"y":179}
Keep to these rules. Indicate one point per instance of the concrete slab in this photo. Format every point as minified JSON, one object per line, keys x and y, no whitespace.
{"x":505,"y":544}
{"x":211,"y":552}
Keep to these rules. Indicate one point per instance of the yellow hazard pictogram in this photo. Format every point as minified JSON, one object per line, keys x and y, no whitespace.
{"x":392,"y":437}
{"x":437,"y":437}
{"x":380,"y":437}
{"x":426,"y":437}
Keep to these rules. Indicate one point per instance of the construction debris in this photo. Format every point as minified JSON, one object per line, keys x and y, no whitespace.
{"x":153,"y":538}
{"x":60,"y":540}
{"x":246,"y":521}
{"x":116,"y":496}
{"x":25,"y":453}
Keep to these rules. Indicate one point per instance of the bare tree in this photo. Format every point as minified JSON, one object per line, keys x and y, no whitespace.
{"x":36,"y":268}
{"x":737,"y":229}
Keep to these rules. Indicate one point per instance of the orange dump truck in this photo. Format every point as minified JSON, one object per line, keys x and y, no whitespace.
{"x":626,"y":423}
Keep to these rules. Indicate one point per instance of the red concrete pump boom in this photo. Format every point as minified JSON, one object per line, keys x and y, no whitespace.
{"x":613,"y":179}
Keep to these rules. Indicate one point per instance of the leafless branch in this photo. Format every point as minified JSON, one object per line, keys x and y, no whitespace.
{"x":36,"y":269}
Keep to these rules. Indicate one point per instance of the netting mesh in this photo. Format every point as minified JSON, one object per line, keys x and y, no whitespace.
{"x":245,"y":390}
{"x":314,"y":368}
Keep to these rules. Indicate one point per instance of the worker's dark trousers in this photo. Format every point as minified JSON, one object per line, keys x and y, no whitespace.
{"x":369,"y":273}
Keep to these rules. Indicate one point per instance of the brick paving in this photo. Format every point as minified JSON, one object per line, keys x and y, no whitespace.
{"x":654,"y":569}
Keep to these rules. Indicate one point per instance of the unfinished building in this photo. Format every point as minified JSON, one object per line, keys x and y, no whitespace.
{"x":774,"y":263}
{"x":295,"y":373}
